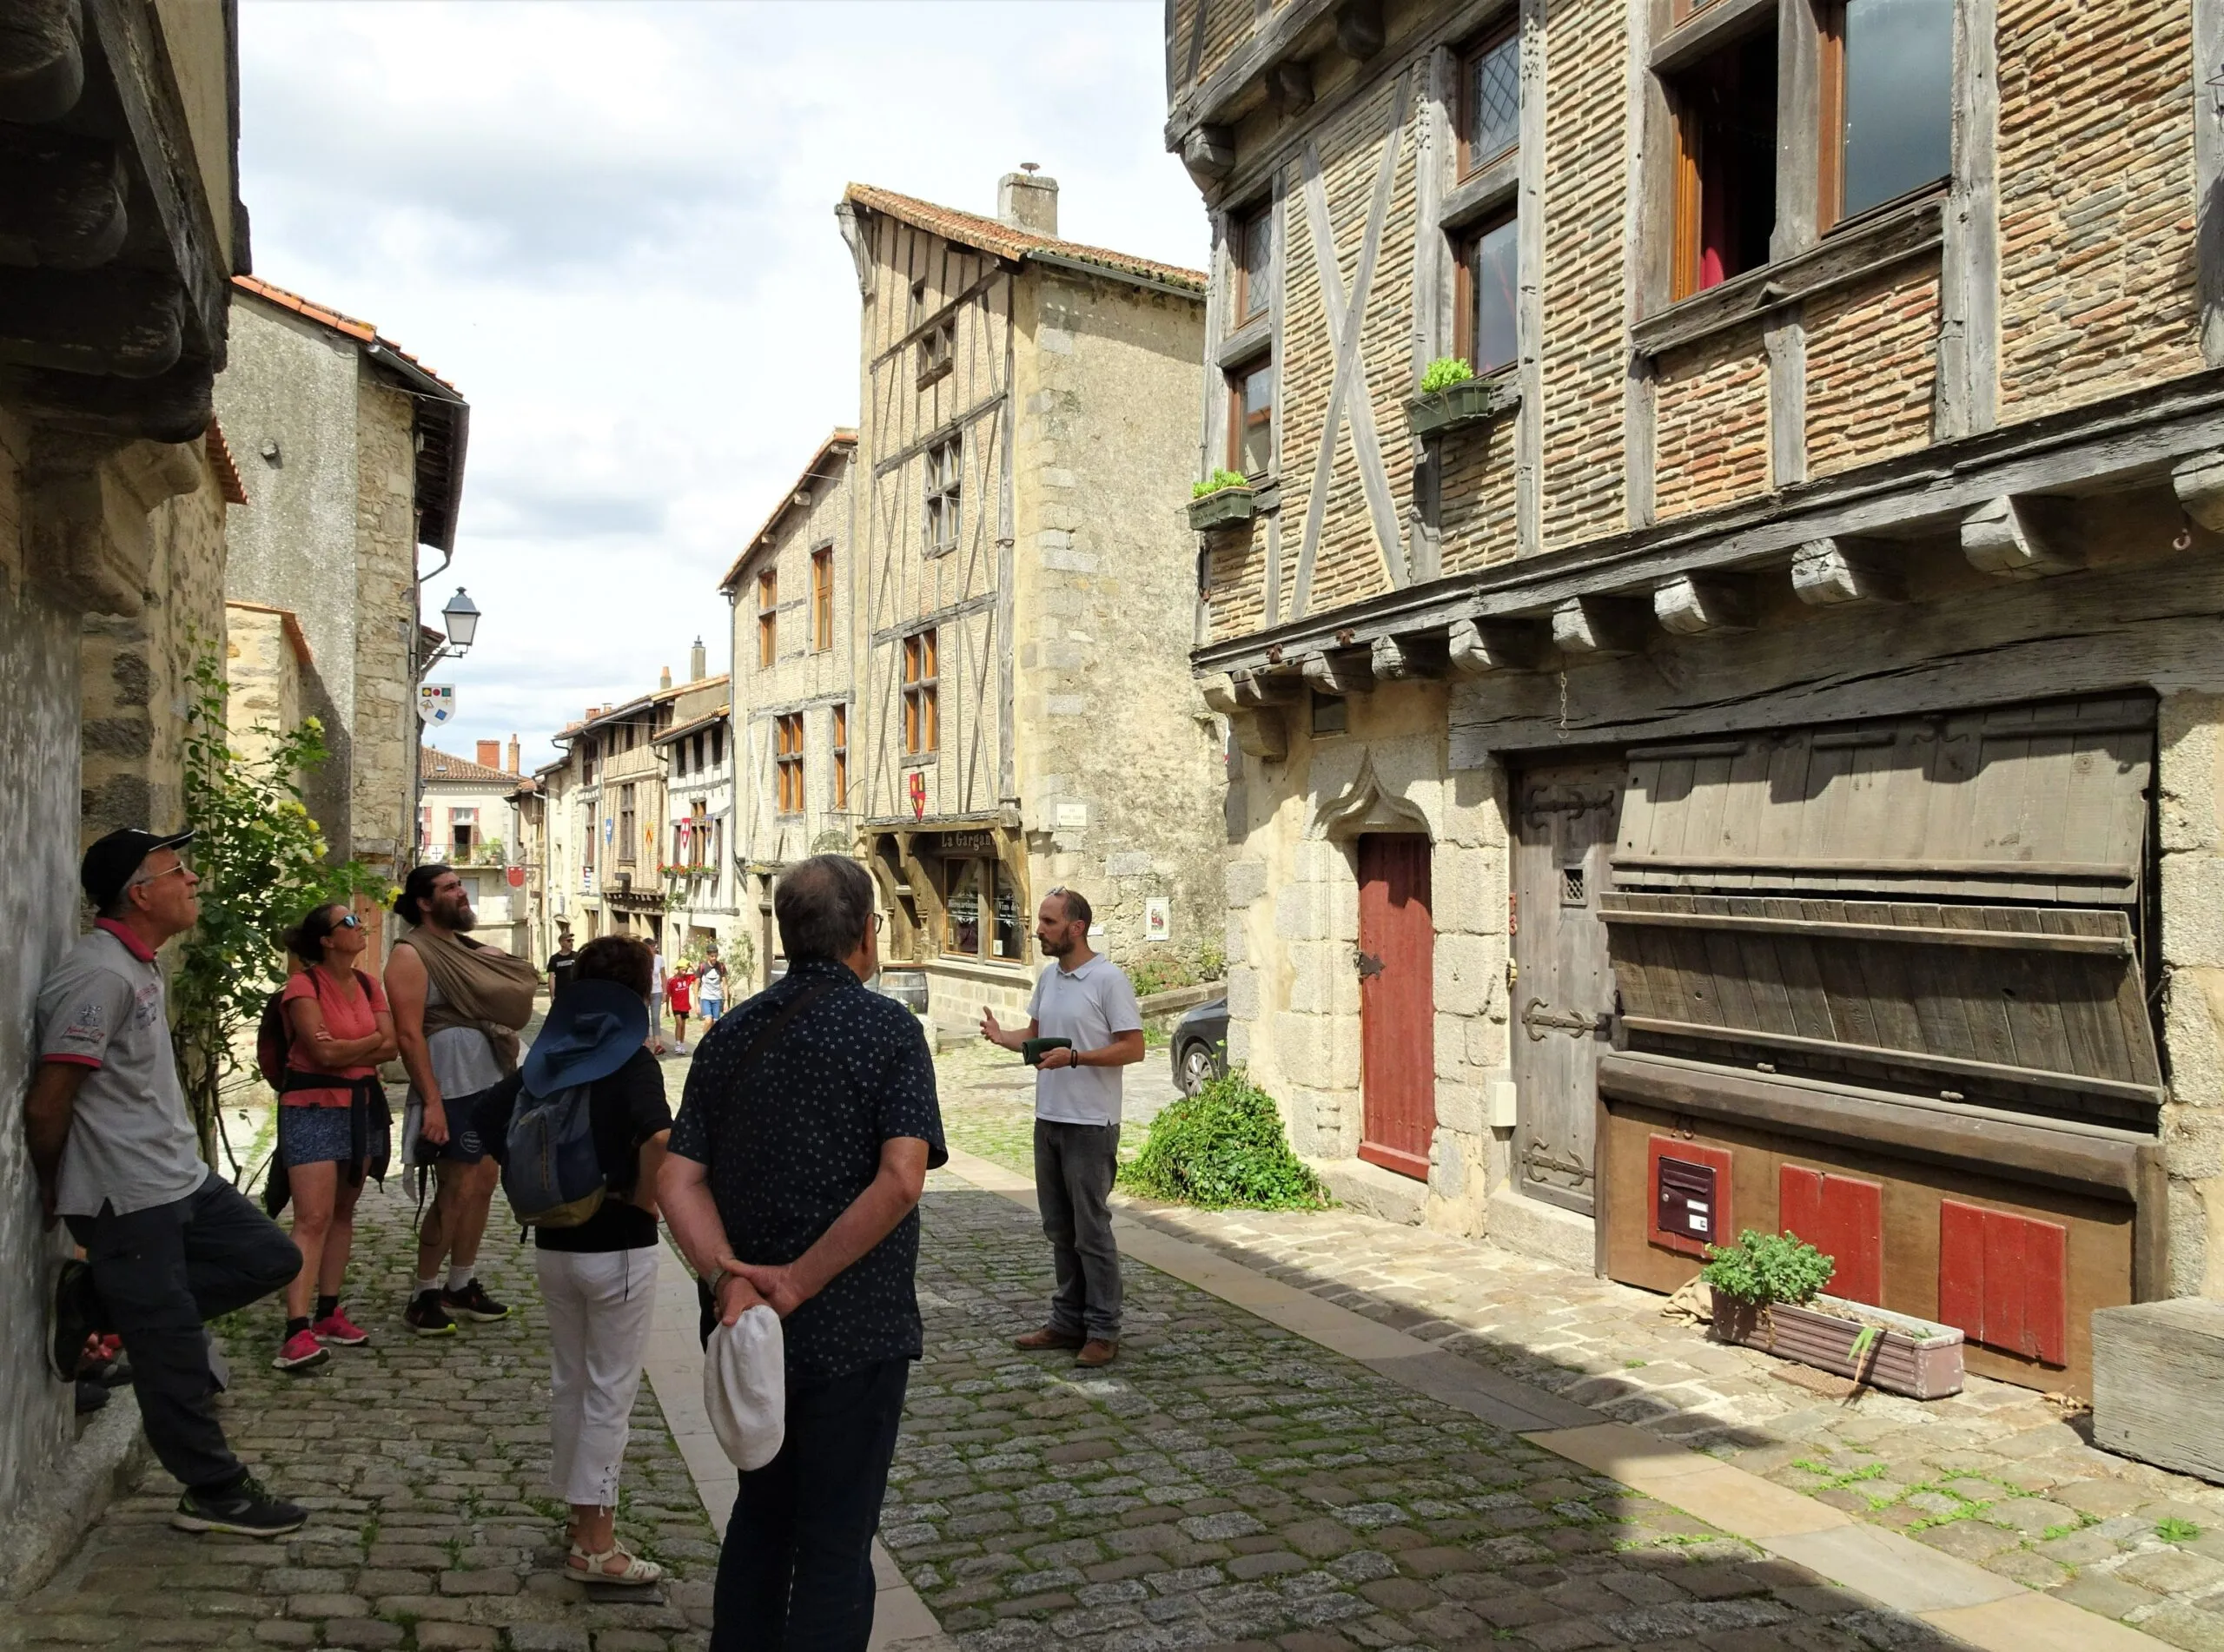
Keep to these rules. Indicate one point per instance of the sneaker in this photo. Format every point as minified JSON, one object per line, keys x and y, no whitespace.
{"x":91,"y":1396}
{"x":75,"y":1319}
{"x":426,"y":1316}
{"x":337,"y":1326}
{"x":473,"y":1303}
{"x":301,"y":1351}
{"x":246,"y":1511}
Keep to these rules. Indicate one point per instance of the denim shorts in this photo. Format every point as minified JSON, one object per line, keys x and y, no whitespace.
{"x":309,"y":1135}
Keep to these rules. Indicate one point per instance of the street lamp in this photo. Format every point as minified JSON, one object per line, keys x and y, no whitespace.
{"x":461,"y":617}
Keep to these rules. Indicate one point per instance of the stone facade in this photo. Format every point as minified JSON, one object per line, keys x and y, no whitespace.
{"x":384,"y":744}
{"x":1811,"y":494}
{"x":267,"y":657}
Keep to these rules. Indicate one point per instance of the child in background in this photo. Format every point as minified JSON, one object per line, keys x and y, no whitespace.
{"x":679,"y":997}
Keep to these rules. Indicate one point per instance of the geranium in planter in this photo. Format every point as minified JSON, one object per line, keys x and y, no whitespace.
{"x":1767,"y":1291}
{"x":1222,"y":499}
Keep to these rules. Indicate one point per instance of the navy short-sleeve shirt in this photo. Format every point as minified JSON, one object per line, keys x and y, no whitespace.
{"x":790,"y":1143}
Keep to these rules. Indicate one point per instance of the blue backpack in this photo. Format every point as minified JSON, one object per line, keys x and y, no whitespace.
{"x":552,"y":1176}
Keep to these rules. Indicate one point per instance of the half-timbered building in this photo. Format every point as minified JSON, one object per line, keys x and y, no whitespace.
{"x":1025,"y":591}
{"x":1747,"y":757}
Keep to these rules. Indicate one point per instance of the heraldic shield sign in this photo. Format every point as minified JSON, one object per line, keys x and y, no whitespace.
{"x":435,"y":703}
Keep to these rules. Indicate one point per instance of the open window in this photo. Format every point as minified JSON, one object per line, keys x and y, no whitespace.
{"x":1490,"y":99}
{"x":1251,"y":254}
{"x":841,"y":797}
{"x":1251,"y":417}
{"x":1726,"y":111}
{"x":1888,"y":102}
{"x":1489,"y":274}
{"x":822,"y":598}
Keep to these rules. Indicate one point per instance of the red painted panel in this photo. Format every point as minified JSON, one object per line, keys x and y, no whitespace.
{"x":2046,"y":1292}
{"x":1715,"y":1159}
{"x":1799,"y":1203}
{"x":1397,"y":1002}
{"x":1843,"y":1218}
{"x":1960,"y":1267}
{"x":2003,"y":1283}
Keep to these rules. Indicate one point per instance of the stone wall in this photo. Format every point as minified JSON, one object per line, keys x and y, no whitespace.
{"x":384,"y":735}
{"x":2190,"y":784}
{"x":136,"y":669}
{"x":1109,"y":722}
{"x":262,"y":675}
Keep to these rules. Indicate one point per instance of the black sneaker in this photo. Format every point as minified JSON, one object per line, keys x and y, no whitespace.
{"x":91,"y":1396}
{"x":246,"y":1511}
{"x":424,"y":1316}
{"x":473,"y":1303}
{"x":77,"y":1315}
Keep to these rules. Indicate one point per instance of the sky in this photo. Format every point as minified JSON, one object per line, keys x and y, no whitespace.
{"x":612,"y":227}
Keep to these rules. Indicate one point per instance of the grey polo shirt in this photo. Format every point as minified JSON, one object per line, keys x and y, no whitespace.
{"x":131,"y":1144}
{"x":1091,"y":1006}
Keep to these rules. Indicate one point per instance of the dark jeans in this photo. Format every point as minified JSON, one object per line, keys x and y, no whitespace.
{"x":796,"y":1573}
{"x":1074,"y":1167}
{"x":160,"y":1274}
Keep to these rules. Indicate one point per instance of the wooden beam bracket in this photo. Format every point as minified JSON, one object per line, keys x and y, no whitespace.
{"x":2199,"y":483}
{"x":42,"y":61}
{"x":1601,"y":625}
{"x":1828,"y":571}
{"x":1402,"y":658}
{"x":1260,"y":731}
{"x":2019,"y":537}
{"x":1692,"y":603}
{"x":1340,"y":671}
{"x":1209,"y":153}
{"x":1359,"y":29}
{"x":1289,"y":85}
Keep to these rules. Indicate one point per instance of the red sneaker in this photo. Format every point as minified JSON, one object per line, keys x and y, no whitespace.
{"x":337,"y":1326}
{"x":301,"y":1351}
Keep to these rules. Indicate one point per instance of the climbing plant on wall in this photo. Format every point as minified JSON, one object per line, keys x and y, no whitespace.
{"x":263,"y":863}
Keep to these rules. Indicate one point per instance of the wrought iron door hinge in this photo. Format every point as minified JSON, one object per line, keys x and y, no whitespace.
{"x":1538,"y":1016}
{"x":1367,"y":963}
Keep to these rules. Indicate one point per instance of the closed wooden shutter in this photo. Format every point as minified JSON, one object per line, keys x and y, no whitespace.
{"x":2003,"y":1281}
{"x":1843,"y":1218}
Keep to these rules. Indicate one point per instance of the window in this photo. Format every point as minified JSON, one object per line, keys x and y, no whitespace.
{"x":1489,"y":272}
{"x":841,"y":758}
{"x":698,"y":833}
{"x":962,"y":881}
{"x":822,"y":598}
{"x":586,"y":761}
{"x":586,"y":840}
{"x":1251,"y":417}
{"x":1725,"y":164}
{"x":981,"y":907}
{"x":937,"y":350}
{"x":1888,"y":102}
{"x":1331,"y":713}
{"x":718,"y":745}
{"x":678,"y":759}
{"x":1490,"y":101}
{"x":463,"y":830}
{"x":1252,"y":252}
{"x":944,"y":495}
{"x":916,"y":311}
{"x":626,"y":825}
{"x":920,"y":714}
{"x":697,"y":757}
{"x":768,"y":617}
{"x":787,"y":757}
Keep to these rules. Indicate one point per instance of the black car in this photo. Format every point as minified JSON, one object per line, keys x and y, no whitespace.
{"x":1199,"y":1046}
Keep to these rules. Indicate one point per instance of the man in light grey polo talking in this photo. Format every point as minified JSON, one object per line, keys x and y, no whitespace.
{"x":1083,"y":999}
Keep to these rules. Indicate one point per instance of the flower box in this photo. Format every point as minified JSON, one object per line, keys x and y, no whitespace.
{"x":1224,"y":508}
{"x":1906,"y":1356}
{"x":1469,"y":402}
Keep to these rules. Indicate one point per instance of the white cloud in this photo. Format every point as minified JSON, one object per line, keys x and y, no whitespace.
{"x":612,"y":226}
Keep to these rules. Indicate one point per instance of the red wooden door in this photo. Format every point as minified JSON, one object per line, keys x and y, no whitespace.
{"x":1397,"y":1003}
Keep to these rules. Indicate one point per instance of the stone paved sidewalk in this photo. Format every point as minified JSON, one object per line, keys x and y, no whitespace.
{"x":1229,"y":1484}
{"x":425,"y":1463}
{"x":1998,"y":1475}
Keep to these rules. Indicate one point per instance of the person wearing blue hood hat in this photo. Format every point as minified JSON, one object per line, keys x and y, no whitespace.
{"x":598,"y":1278}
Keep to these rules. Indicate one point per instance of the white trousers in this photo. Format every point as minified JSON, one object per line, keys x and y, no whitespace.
{"x":599,"y":1305}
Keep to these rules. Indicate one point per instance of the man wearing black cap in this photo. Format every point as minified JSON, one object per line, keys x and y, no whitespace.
{"x":167,"y":1246}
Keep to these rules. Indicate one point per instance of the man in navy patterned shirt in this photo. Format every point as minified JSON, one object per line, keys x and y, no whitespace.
{"x":793,"y":1178}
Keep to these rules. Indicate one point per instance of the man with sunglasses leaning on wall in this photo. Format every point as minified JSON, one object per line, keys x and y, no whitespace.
{"x":169,"y":1245}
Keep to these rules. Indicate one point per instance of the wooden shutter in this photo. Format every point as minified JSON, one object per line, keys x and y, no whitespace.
{"x":2003,"y":1281}
{"x":1843,"y":1218}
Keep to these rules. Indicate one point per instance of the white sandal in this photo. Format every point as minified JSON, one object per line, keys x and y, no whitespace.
{"x":591,"y":1567}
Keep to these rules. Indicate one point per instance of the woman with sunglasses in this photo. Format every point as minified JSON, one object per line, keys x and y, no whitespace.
{"x":333,"y":1122}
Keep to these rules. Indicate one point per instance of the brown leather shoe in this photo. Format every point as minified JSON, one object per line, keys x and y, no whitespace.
{"x":1097,"y":1352}
{"x":1048,"y":1336}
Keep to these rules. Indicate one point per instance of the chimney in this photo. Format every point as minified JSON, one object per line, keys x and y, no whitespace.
{"x":490,"y":754}
{"x":514,"y":754}
{"x":698,"y":663}
{"x":1027,"y":199}
{"x":664,"y":681}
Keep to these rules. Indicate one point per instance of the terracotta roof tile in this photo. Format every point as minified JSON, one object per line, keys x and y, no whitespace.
{"x":438,"y":765}
{"x":361,"y":332}
{"x":220,"y":461}
{"x":993,"y":235}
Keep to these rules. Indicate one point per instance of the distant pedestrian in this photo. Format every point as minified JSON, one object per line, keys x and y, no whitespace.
{"x":458,"y":1007}
{"x":711,"y":990}
{"x":561,"y":962}
{"x":1083,"y":999}
{"x":804,"y":1141}
{"x":334,"y":1126}
{"x":598,"y":1278}
{"x":167,"y":1246}
{"x":656,"y":992}
{"x":677,"y":993}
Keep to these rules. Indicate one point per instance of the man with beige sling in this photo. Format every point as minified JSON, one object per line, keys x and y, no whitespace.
{"x":458,"y":1007}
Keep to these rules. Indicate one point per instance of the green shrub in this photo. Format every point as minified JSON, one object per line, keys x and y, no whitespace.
{"x":1762,"y":1268}
{"x":1224,"y":1147}
{"x":1445,"y":372}
{"x":1218,"y":480}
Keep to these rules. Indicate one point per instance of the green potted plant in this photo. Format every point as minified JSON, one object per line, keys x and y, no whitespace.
{"x":1222,"y":499}
{"x":1768,"y":1294}
{"x":1452,"y":396}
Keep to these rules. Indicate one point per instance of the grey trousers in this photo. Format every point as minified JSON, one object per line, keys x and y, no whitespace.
{"x":1074,"y":1167}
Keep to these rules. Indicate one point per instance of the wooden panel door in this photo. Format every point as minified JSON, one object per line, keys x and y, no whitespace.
{"x":1397,"y":1002}
{"x":1562,"y":997}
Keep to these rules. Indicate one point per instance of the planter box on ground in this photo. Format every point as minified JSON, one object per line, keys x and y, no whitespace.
{"x":1906,"y":1356}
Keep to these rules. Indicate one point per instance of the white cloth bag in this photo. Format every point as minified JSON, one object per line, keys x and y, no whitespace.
{"x":746,"y":1388}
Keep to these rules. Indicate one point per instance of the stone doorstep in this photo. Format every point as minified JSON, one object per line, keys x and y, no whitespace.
{"x":1977,"y":1606}
{"x":1374,"y":1190}
{"x":673,"y":1364}
{"x":1534,"y":1228}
